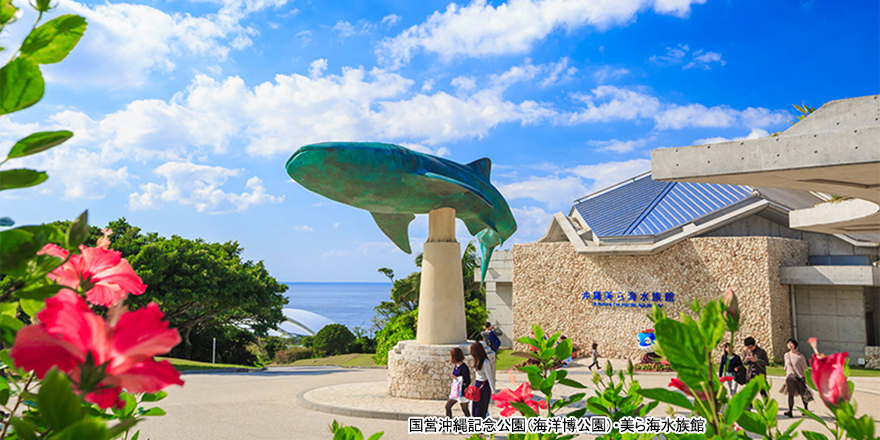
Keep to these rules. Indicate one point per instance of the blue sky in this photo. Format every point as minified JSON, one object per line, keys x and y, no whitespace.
{"x":184,"y":112}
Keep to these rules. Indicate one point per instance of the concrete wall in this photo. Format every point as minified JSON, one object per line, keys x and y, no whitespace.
{"x":550,"y":278}
{"x":833,"y":314}
{"x":818,"y":244}
{"x":499,"y":303}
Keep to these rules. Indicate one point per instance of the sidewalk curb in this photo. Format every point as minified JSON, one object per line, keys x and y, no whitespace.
{"x":353,"y":412}
{"x":224,"y":370}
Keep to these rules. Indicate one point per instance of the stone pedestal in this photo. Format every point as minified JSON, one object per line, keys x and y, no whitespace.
{"x":420,"y":371}
{"x":441,"y":295}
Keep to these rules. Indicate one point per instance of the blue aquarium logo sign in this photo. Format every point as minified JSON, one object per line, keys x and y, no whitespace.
{"x":628,"y":299}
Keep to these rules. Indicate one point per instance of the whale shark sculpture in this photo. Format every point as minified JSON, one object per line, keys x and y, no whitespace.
{"x":394,"y":183}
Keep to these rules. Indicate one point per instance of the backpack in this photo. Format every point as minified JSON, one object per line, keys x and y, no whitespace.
{"x":493,"y":341}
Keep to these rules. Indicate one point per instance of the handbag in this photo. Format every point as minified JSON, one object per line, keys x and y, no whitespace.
{"x":455,"y":390}
{"x":472,"y":393}
{"x":808,"y":395}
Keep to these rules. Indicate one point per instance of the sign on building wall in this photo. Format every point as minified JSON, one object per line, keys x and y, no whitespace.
{"x":628,"y":299}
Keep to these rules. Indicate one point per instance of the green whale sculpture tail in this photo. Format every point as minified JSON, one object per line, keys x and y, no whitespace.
{"x":393,"y":183}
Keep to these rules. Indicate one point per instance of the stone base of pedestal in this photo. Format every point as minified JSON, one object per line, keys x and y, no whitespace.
{"x":419,"y":371}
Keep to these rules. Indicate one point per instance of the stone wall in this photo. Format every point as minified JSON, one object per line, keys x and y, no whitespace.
{"x":550,"y":278}
{"x":872,"y":357}
{"x":420,"y":371}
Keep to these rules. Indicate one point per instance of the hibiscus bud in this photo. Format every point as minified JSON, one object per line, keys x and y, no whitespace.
{"x":829,"y":377}
{"x":629,"y":367}
{"x":609,"y":370}
{"x":731,"y":310}
{"x":815,"y":344}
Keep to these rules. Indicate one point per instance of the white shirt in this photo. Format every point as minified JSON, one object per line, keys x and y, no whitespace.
{"x":485,"y":374}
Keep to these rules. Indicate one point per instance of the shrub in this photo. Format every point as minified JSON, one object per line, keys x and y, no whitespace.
{"x":289,"y":355}
{"x":398,"y":328}
{"x":334,"y":339}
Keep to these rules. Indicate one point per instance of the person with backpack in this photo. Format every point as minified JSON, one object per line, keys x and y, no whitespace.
{"x":490,"y":338}
{"x":735,"y":368}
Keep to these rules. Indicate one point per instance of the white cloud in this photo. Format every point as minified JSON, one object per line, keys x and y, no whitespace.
{"x":304,"y":228}
{"x":606,"y":103}
{"x":695,"y":115}
{"x":554,"y":191}
{"x":703,"y":60}
{"x":200,"y":185}
{"x":513,"y":27}
{"x":346,"y":29}
{"x":317,"y":67}
{"x":125,"y":42}
{"x":619,"y":146}
{"x":428,"y":85}
{"x":682,"y":54}
{"x":464,"y":83}
{"x":609,"y":73}
{"x":756,"y":133}
{"x":441,"y":151}
{"x":606,"y":174}
{"x":531,"y":223}
{"x":390,"y":20}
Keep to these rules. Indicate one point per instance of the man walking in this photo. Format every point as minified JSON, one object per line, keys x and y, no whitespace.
{"x":755,"y":359}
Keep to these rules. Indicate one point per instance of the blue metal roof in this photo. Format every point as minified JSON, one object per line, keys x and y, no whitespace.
{"x":649,"y":207}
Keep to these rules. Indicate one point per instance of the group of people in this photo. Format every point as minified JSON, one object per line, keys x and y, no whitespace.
{"x":484,"y":377}
{"x":754,"y":362}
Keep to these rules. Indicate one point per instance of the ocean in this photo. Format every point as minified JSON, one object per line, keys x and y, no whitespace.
{"x":350,"y":304}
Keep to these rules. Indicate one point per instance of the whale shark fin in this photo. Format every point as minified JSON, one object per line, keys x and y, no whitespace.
{"x":395,"y":227}
{"x":488,"y":239}
{"x":461,"y":185}
{"x":481,"y":167}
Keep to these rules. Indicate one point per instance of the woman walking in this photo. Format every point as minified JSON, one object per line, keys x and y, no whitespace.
{"x":795,"y":367}
{"x":461,"y":370}
{"x":484,"y":380}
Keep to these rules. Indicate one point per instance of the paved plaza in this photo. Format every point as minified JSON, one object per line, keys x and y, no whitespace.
{"x":300,"y":403}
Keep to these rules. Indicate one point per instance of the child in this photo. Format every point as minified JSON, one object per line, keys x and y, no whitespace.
{"x":595,"y":357}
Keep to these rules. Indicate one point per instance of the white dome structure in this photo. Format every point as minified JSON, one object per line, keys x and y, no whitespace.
{"x":303,"y":322}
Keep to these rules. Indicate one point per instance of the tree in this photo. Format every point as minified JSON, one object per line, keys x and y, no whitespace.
{"x":201,"y":285}
{"x":334,"y":339}
{"x":387,"y":272}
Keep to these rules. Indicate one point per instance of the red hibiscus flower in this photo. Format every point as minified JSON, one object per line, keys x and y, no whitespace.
{"x":100,"y":358}
{"x":677,"y":383}
{"x":106,"y":276}
{"x":829,"y":376}
{"x":522,"y":394}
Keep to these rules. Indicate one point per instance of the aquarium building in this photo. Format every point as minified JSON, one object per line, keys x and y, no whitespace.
{"x":599,"y":268}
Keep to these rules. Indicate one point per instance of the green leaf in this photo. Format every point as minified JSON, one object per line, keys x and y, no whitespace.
{"x":20,"y":244}
{"x":376,"y":436}
{"x":814,"y":417}
{"x":6,"y":221}
{"x":21,"y":178}
{"x":810,"y":435}
{"x":8,"y":12}
{"x":52,"y":41}
{"x":9,"y":327}
{"x":59,"y":406}
{"x":88,"y":428}
{"x":683,"y":346}
{"x":25,"y":429}
{"x":31,"y":306}
{"x":21,"y":85}
{"x":741,"y":400}
{"x":563,"y":350}
{"x":667,"y":396}
{"x":78,"y":232}
{"x":348,"y":433}
{"x":571,"y":383}
{"x":523,"y":354}
{"x":121,"y":427}
{"x":130,"y":404}
{"x":154,"y":397}
{"x":153,"y":412}
{"x":38,"y":142}
{"x":752,"y":422}
{"x":136,"y":435}
{"x":38,"y":293}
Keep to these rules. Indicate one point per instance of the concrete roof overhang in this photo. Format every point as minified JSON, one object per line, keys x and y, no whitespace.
{"x":835,"y":150}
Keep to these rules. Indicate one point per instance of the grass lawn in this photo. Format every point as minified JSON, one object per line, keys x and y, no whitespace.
{"x":505,"y":360}
{"x":342,"y":360}
{"x":184,"y":365}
